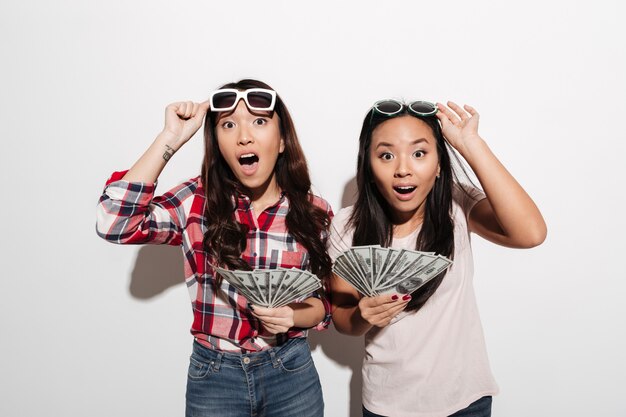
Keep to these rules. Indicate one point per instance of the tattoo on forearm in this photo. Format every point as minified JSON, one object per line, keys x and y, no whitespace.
{"x":168,"y":153}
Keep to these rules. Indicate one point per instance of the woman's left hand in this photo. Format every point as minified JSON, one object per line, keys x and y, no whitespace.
{"x":459,"y":125}
{"x":275,"y":320}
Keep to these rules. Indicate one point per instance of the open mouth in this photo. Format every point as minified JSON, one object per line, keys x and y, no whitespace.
{"x":404,"y":189}
{"x":248,"y":159}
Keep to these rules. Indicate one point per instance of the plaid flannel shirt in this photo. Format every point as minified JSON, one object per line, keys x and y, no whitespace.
{"x":129,"y":213}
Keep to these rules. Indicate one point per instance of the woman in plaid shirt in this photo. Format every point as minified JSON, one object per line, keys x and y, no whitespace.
{"x":251,"y":207}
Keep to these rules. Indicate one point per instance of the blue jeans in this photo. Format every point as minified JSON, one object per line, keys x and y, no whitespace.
{"x":278,"y":382}
{"x":479,"y":408}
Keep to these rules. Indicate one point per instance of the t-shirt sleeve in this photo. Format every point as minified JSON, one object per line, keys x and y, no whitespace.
{"x":466,"y":196}
{"x":340,"y":238}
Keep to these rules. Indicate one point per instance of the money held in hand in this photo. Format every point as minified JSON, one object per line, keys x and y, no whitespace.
{"x":374,"y":270}
{"x":272,"y":287}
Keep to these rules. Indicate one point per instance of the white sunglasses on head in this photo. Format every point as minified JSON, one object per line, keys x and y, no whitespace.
{"x":257,"y":99}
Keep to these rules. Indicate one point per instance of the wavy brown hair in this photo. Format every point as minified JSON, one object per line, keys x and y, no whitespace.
{"x":371,"y":215}
{"x":225,"y":238}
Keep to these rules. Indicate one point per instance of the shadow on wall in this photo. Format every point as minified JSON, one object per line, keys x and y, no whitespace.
{"x":346,"y":351}
{"x":157,"y":268}
{"x":349,"y":193}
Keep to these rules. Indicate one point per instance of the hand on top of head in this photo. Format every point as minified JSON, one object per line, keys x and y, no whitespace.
{"x":459,"y":125}
{"x":182,"y":121}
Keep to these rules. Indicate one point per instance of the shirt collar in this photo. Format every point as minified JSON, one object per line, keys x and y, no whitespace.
{"x":243,"y":201}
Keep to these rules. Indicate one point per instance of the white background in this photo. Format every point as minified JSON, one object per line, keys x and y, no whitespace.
{"x":93,"y":329}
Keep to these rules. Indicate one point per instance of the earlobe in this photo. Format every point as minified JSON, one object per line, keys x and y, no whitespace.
{"x":282,"y":145}
{"x":438,"y":171}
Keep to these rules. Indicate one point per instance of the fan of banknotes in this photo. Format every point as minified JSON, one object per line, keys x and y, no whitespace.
{"x":272,"y":287}
{"x":374,"y":270}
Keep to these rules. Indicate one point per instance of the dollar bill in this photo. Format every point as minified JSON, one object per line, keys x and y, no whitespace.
{"x":272,"y":287}
{"x":346,"y":269}
{"x":373,"y":270}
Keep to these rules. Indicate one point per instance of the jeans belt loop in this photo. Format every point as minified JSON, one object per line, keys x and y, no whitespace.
{"x":274,"y":358}
{"x":218,"y":361}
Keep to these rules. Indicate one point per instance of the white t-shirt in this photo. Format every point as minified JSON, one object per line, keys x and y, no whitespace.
{"x":431,"y":362}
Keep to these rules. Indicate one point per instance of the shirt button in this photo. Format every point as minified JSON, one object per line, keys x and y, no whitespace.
{"x":254,"y":254}
{"x":246,"y":360}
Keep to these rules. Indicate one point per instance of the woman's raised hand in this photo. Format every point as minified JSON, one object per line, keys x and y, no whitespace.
{"x":182,"y":121}
{"x":458,"y":124}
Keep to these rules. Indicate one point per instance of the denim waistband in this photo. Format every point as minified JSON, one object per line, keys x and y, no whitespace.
{"x":246,"y":360}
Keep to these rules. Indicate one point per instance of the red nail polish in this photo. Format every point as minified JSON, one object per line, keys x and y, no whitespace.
{"x":406,"y":297}
{"x":394,"y":297}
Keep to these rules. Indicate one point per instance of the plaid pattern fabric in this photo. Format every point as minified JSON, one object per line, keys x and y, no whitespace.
{"x":129,"y":213}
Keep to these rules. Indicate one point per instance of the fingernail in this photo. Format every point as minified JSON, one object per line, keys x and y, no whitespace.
{"x":394,"y":297}
{"x":406,"y":297}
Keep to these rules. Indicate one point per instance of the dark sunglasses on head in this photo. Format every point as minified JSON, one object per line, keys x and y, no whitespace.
{"x":391,"y":107}
{"x":257,"y":99}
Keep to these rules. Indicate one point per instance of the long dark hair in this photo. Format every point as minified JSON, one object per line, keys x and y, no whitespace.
{"x":371,"y":215}
{"x":225,"y":238}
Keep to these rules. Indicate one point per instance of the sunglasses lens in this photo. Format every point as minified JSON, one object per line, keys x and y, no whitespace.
{"x":260,"y":100}
{"x":422,"y":107}
{"x":224,"y":100}
{"x":388,"y":107}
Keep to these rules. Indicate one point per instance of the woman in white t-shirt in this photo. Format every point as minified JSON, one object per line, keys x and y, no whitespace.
{"x":425,"y":353}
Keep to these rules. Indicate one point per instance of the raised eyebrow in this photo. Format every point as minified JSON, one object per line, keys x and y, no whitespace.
{"x":415,"y":142}
{"x":223,"y":118}
{"x":420,"y":140}
{"x":384,"y":144}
